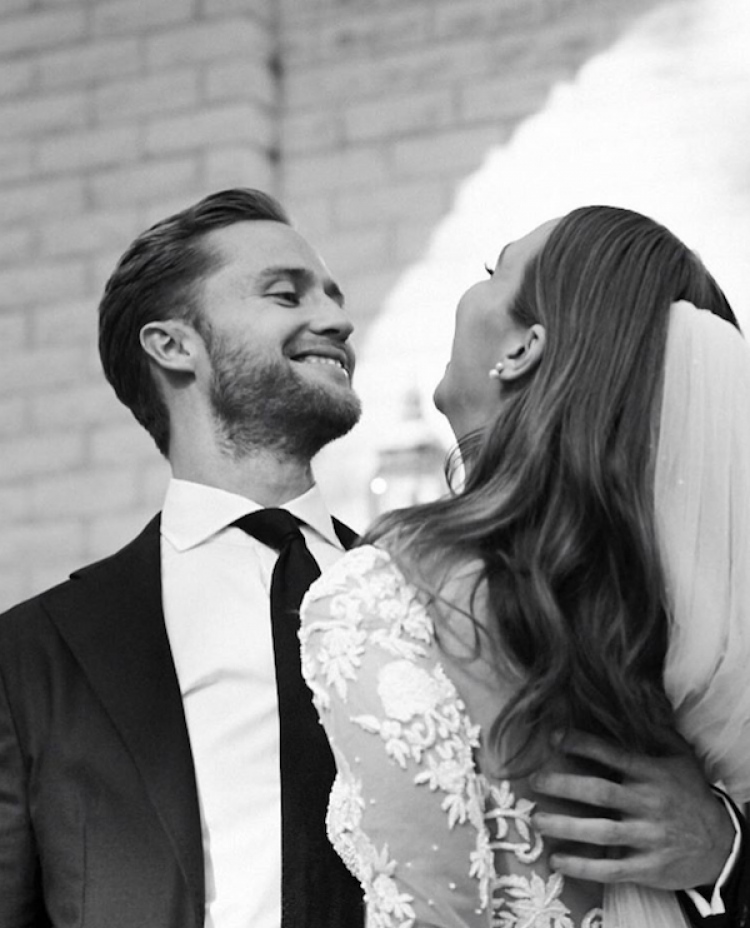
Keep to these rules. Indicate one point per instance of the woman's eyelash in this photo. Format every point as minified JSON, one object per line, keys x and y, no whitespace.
{"x":490,"y":271}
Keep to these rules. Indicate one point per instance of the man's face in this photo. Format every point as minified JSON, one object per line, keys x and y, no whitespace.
{"x":278,"y":345}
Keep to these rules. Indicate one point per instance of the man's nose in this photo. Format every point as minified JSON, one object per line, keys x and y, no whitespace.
{"x":331,"y":318}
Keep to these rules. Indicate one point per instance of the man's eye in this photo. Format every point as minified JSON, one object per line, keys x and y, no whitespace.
{"x":288,"y":296}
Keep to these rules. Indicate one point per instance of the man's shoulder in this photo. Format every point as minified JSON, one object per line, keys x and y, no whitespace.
{"x":115,"y":567}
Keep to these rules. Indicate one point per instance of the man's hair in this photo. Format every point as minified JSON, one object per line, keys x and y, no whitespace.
{"x":158,"y":278}
{"x":558,"y":502}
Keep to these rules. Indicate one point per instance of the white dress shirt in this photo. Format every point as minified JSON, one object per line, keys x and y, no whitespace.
{"x":216,"y":594}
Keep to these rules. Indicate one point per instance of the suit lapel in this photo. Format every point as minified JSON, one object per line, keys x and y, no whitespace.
{"x":111,"y":617}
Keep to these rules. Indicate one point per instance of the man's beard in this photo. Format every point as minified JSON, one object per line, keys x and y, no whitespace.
{"x":263,"y":404}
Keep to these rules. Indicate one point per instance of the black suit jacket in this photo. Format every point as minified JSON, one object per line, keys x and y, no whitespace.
{"x":735,"y":893}
{"x":99,"y":818}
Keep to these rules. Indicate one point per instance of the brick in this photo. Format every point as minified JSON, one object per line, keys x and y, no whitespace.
{"x":260,"y":9}
{"x":17,"y":6}
{"x":15,"y":503}
{"x":46,"y":198}
{"x":239,"y":122}
{"x":41,"y":282}
{"x":426,"y":199}
{"x":241,"y":80}
{"x":311,"y":132}
{"x":312,"y":215}
{"x":485,"y":17}
{"x":394,"y":73}
{"x":13,"y":418}
{"x":16,"y":160}
{"x":91,"y":149}
{"x":355,"y":250}
{"x":345,"y":169}
{"x":209,"y":41}
{"x":13,"y":330}
{"x":43,"y":114}
{"x":446,"y":153}
{"x":72,"y":323}
{"x":90,"y":403}
{"x":90,"y":63}
{"x":16,"y":77}
{"x":34,"y":371}
{"x":507,"y":97}
{"x":84,"y":492}
{"x":145,"y":182}
{"x":117,"y":444}
{"x":357,"y":33}
{"x":160,"y":93}
{"x":26,"y":456}
{"x":89,"y":233}
{"x":416,"y":112}
{"x":43,"y":543}
{"x":135,"y":16}
{"x":41,"y":30}
{"x":16,"y":245}
{"x":239,"y":167}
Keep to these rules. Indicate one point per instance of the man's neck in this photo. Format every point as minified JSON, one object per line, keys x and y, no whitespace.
{"x":264,"y":477}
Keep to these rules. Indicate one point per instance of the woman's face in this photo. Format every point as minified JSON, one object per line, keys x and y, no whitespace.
{"x":485,"y":334}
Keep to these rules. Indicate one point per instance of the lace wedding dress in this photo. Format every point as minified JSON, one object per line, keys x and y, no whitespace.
{"x":433,"y":840}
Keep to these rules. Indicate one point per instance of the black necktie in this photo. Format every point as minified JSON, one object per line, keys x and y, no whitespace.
{"x":317,"y":891}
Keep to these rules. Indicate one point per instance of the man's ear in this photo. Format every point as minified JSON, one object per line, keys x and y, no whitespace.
{"x":172,"y":344}
{"x":523,"y":354}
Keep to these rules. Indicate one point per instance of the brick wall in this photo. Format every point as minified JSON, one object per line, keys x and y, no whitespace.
{"x":364,"y":116}
{"x":113,"y":114}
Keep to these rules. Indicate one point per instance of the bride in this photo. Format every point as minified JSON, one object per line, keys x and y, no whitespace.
{"x":591,"y":575}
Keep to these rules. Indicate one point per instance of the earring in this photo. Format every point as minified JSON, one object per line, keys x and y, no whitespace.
{"x":495,"y":372}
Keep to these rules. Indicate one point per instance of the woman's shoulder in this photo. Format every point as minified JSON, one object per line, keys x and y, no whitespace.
{"x":356,"y":569}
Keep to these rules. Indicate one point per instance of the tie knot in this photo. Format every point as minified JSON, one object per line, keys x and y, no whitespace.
{"x":276,"y":528}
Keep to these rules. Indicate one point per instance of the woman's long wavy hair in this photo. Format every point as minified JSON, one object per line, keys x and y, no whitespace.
{"x":558,"y":497}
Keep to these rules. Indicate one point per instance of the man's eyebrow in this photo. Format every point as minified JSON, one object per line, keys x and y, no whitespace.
{"x":302,"y":278}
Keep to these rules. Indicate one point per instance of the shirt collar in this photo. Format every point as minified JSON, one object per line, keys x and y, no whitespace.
{"x":193,"y":512}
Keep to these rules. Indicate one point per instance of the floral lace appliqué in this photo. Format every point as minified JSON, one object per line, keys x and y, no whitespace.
{"x":530,"y":902}
{"x":387,"y":906}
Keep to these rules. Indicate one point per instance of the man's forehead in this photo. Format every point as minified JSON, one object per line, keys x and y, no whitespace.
{"x":260,"y":244}
{"x":250,"y":253}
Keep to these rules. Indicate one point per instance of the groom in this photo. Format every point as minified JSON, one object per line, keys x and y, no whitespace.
{"x":147,"y":776}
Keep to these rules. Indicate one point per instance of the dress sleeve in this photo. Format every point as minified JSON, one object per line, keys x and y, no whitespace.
{"x":404,"y":811}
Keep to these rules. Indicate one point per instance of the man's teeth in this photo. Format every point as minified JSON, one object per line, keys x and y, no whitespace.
{"x":317,"y":359}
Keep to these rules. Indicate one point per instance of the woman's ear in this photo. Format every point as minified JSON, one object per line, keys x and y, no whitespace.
{"x":522,"y":354}
{"x":172,"y":344}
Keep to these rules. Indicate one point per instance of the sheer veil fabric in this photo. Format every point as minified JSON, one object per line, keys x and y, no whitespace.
{"x":702,"y":487}
{"x":702,"y":499}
